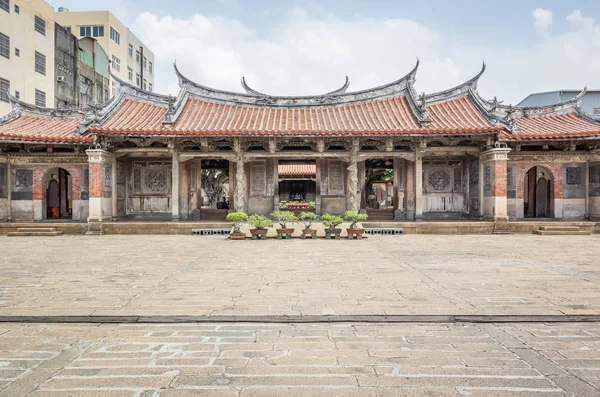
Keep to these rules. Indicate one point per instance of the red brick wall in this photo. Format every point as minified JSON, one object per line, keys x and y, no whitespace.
{"x":555,"y":177}
{"x":499,"y":187}
{"x":41,"y":178}
{"x":96,"y":188}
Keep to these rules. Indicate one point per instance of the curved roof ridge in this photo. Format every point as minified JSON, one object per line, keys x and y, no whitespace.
{"x":459,"y":90}
{"x":569,"y":105}
{"x":252,"y":91}
{"x":19,"y":108}
{"x":338,"y":97}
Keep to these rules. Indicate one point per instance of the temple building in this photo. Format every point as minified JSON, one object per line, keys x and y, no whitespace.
{"x":385,"y":150}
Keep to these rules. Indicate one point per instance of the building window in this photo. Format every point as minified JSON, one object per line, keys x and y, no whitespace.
{"x":91,"y":31}
{"x":150,"y":87}
{"x":137,"y":79}
{"x":17,"y":52}
{"x":130,"y":74}
{"x":145,"y":85}
{"x":150,"y":68}
{"x":4,"y":45}
{"x":115,"y":36}
{"x":40,"y":98}
{"x":4,"y":89}
{"x":17,"y":95}
{"x":137,"y":56}
{"x":106,"y":93}
{"x":17,"y":9}
{"x":116,"y":63}
{"x":68,"y":29}
{"x":5,"y":5}
{"x":145,"y":62}
{"x":99,"y":93}
{"x":597,"y":111}
{"x":130,"y":51}
{"x":40,"y":25}
{"x":40,"y":63}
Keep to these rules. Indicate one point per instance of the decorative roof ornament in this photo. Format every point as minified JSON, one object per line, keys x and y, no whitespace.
{"x":252,"y":91}
{"x":459,"y":90}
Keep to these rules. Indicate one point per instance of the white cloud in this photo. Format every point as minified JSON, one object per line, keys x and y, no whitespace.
{"x":578,"y":21}
{"x":309,"y":54}
{"x":542,"y":19}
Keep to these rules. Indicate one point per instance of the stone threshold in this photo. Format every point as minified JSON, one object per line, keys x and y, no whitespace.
{"x":446,"y":319}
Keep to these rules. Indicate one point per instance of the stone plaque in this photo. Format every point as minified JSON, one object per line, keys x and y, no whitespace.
{"x":595,"y":174}
{"x":23,"y":178}
{"x":120,"y":173}
{"x":336,"y":178}
{"x":487,"y":177}
{"x":323,"y":169}
{"x":107,"y":176}
{"x":457,"y":180}
{"x":474,"y":173}
{"x":509,"y":176}
{"x":86,"y":177}
{"x":258,"y":178}
{"x":573,"y":175}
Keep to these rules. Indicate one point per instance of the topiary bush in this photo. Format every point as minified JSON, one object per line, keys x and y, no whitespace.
{"x":331,"y":221}
{"x":283,"y":218}
{"x":354,"y":217}
{"x":237,"y":218}
{"x":307,"y":218}
{"x":260,"y":221}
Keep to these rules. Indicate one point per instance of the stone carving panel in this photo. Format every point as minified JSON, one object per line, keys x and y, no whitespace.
{"x":438,"y":181}
{"x":86,"y":178}
{"x":509,"y":176}
{"x":151,"y":178}
{"x":474,"y":173}
{"x":155,"y":181}
{"x":487,"y":177}
{"x":107,"y":176}
{"x":23,"y":178}
{"x":336,"y":178}
{"x":457,"y":188}
{"x":120,"y":173}
{"x":258,"y":178}
{"x":573,"y":175}
{"x":594,"y":181}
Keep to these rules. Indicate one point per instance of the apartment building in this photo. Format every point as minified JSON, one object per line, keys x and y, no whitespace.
{"x":130,"y":59}
{"x":27,"y":68}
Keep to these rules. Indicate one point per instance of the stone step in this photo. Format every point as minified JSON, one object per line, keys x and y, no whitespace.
{"x":34,"y":234}
{"x":36,"y":229}
{"x":562,"y":233}
{"x":560,"y":228}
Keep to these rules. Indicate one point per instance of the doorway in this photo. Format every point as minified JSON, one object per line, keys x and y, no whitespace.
{"x":537,"y":195}
{"x":58,"y":195}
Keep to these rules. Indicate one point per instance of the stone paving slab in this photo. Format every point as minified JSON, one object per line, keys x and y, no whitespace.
{"x":243,"y":359}
{"x":384,"y":276}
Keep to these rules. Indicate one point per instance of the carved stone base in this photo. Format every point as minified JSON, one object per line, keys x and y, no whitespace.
{"x":399,"y":215}
{"x":94,"y":228}
{"x":501,"y":226}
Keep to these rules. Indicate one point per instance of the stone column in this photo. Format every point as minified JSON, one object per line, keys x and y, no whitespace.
{"x":175,"y":183}
{"x":410,"y":190}
{"x":114,"y":188}
{"x":240,"y":186}
{"x":419,"y":183}
{"x":275,"y":184}
{"x":495,"y":162}
{"x":318,"y":186}
{"x":198,"y":183}
{"x":100,"y":205}
{"x":398,"y":210}
{"x":353,"y":193}
{"x":586,"y":183}
{"x":5,"y":189}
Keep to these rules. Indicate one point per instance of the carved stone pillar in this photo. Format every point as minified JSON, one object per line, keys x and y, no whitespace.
{"x":419,"y":183}
{"x":175,"y":187}
{"x":114,"y":188}
{"x":5,"y":188}
{"x":494,"y":192}
{"x":409,"y":199}
{"x":240,"y":185}
{"x":275,"y":184}
{"x":397,"y":202}
{"x":353,"y":193}
{"x":318,"y":165}
{"x":100,"y":201}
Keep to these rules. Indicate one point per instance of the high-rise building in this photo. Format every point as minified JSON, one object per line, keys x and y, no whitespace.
{"x":26,"y":52}
{"x":130,"y":60}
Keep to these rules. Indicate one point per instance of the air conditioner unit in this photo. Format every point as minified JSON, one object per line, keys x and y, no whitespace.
{"x":61,"y":79}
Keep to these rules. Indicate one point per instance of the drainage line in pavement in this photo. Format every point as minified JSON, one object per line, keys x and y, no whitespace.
{"x":305,"y":319}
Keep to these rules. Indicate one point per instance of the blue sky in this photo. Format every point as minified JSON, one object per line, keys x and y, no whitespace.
{"x":296,"y":47}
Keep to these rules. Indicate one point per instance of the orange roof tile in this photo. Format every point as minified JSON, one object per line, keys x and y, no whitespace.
{"x":297,"y":169}
{"x":567,"y":125}
{"x":43,"y":129}
{"x":459,"y":113}
{"x":135,"y":117}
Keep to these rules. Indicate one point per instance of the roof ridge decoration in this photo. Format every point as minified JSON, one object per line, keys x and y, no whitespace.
{"x":400,"y":87}
{"x":570,"y":105}
{"x":457,"y":91}
{"x":19,"y":108}
{"x":252,"y":91}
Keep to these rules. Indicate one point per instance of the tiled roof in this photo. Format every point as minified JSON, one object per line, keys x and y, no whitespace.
{"x":297,"y":169}
{"x":31,"y":128}
{"x":458,"y":115}
{"x":553,"y":126}
{"x":135,"y":117}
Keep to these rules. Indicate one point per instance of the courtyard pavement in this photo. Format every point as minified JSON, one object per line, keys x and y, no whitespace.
{"x":384,"y":275}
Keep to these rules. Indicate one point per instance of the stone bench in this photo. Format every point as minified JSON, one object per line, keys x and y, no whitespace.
{"x":212,"y":231}
{"x":383,"y":230}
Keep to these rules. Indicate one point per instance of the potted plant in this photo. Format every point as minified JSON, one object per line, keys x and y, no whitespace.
{"x":261,"y":225}
{"x":237,"y":218}
{"x":354,"y":217}
{"x":330,"y":222}
{"x":307,"y":218}
{"x":283,"y":218}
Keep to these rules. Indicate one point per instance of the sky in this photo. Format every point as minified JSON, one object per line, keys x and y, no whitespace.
{"x":308,"y":47}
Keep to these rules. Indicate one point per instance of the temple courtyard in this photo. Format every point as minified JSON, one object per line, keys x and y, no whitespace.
{"x":202,"y":315}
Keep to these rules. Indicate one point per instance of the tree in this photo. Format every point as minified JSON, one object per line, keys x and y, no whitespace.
{"x":213,"y":184}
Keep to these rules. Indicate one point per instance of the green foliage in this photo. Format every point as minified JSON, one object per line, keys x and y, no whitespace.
{"x":307,"y":218}
{"x":237,"y":218}
{"x":331,"y":221}
{"x":354,"y":217}
{"x":312,"y":205}
{"x":283,"y":205}
{"x":284,"y":217}
{"x":260,"y":221}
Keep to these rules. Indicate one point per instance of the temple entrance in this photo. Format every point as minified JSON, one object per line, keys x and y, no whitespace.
{"x":537,"y":194}
{"x":216,"y":192}
{"x":378,"y":194}
{"x":58,"y":195}
{"x":297,"y":185}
